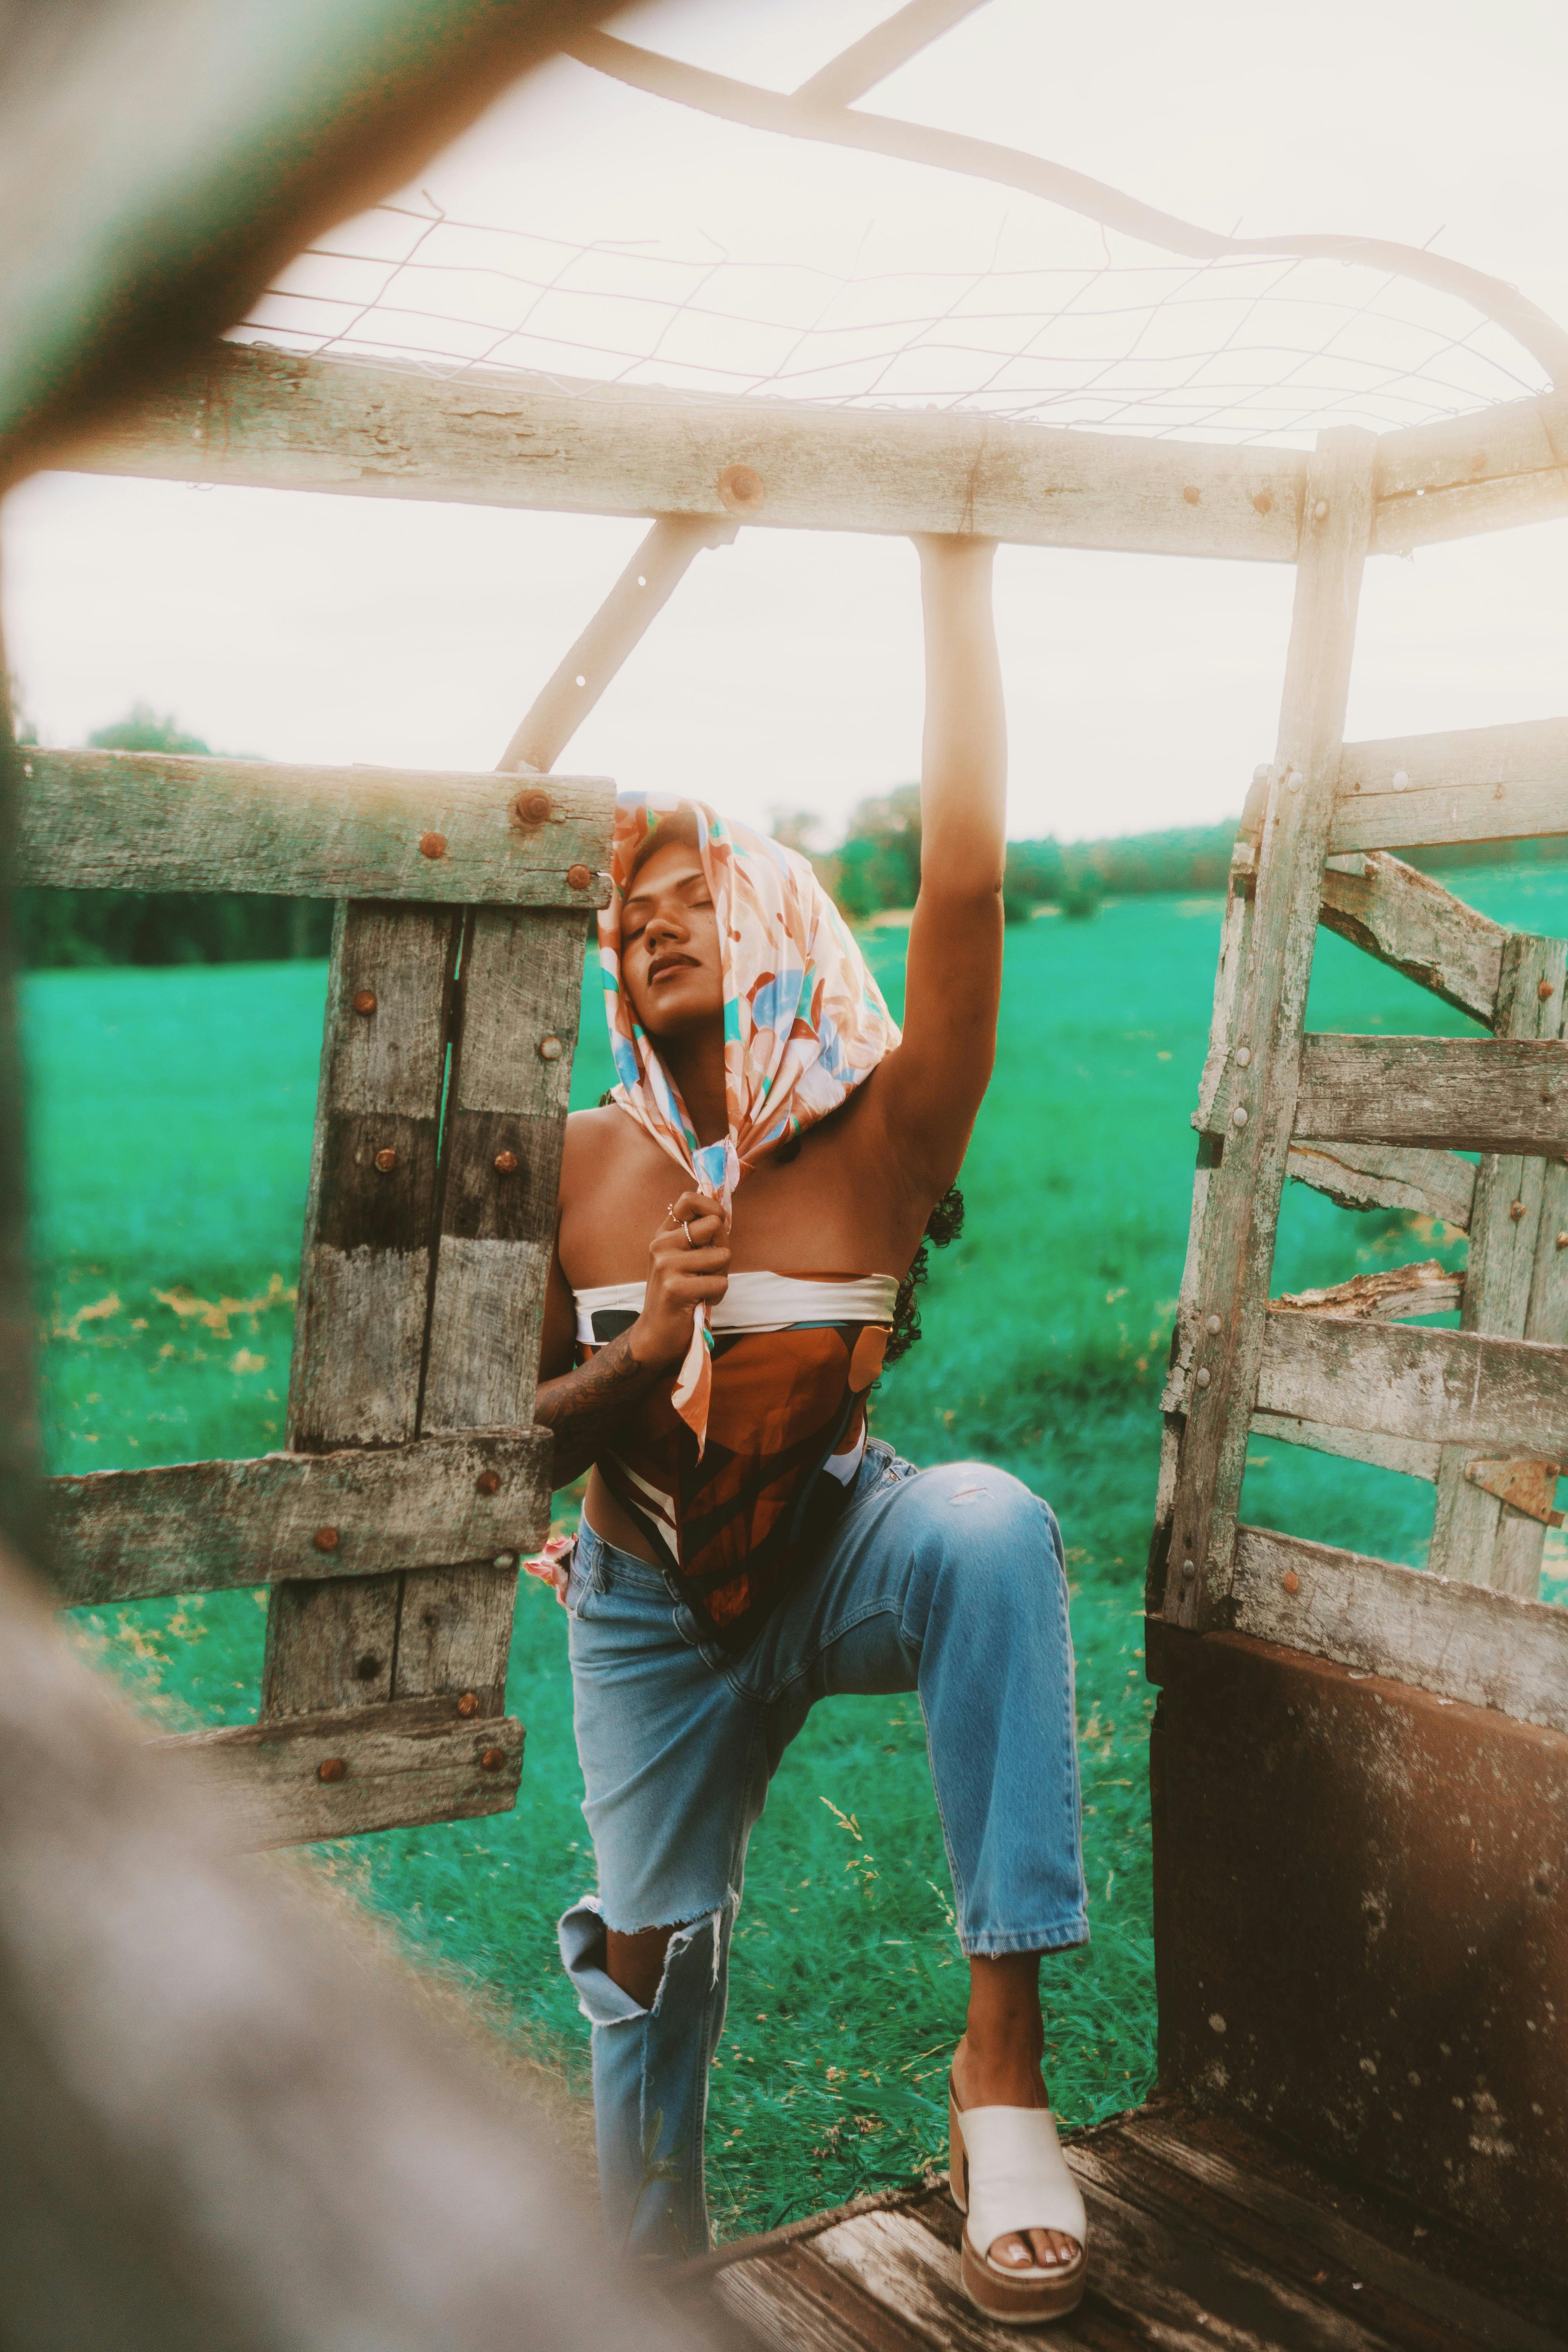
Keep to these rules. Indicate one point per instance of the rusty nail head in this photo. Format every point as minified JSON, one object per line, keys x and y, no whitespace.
{"x":1290,"y":1580}
{"x":468,"y":1704}
{"x":493,"y":1760}
{"x":1203,"y":1376}
{"x":386,"y":1159}
{"x":364,"y":999}
{"x":1516,"y":1210}
{"x":533,"y":806}
{"x":1213,"y":1324}
{"x":325,"y":1538}
{"x":550,"y":1049}
{"x":1189,"y":1569}
{"x":1263,"y":502}
{"x":577,"y":878}
{"x":331,"y":1767}
{"x":432,"y":844}
{"x":1192,"y":495}
{"x":489,"y":1482}
{"x":739,"y":487}
{"x":1544,"y":989}
{"x":1563,"y":1241}
{"x":506,"y":1164}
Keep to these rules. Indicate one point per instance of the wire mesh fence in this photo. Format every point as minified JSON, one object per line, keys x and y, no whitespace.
{"x":1103,"y":334}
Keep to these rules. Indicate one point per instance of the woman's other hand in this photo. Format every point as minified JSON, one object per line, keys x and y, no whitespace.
{"x":688,"y":1268}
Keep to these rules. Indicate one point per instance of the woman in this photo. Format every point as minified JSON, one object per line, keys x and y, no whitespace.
{"x":733,"y":1223}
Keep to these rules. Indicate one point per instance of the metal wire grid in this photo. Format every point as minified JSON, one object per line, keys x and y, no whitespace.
{"x":1235,"y":350}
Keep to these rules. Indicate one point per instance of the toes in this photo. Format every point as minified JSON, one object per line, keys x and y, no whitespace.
{"x":1054,"y":2250}
{"x":1012,"y":2253}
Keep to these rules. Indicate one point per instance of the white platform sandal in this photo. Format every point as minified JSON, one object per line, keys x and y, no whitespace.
{"x":1008,"y":2174}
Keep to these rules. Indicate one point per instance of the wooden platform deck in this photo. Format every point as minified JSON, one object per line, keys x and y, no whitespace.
{"x":1201,"y":2235}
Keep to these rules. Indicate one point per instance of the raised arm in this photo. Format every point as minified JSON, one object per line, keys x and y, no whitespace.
{"x":932,"y":1086}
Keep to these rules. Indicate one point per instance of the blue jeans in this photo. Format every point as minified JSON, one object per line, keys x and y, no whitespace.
{"x":947,"y":1582}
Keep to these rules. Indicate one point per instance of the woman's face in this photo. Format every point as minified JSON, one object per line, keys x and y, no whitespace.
{"x":670,"y":965}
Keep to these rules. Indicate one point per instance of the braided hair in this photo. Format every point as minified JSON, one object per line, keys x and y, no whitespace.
{"x":944,"y":1225}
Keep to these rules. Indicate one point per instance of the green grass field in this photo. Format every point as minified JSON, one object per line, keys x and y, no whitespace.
{"x":171,"y":1114}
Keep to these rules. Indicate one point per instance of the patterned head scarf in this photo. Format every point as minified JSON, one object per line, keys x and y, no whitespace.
{"x":805,"y":1023}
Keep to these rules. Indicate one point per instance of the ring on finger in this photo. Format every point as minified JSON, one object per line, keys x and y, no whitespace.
{"x":687,"y":1231}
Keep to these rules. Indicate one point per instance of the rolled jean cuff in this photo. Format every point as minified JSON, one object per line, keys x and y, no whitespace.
{"x":1063,"y":1935}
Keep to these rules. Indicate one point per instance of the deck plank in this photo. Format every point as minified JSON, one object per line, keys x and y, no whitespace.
{"x":1200,"y":2236}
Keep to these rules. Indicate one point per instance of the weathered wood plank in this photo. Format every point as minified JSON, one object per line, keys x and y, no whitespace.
{"x":790,"y":2300}
{"x":1501,"y":467}
{"x":280,"y":421}
{"x":1471,"y":785}
{"x":1457,"y":1640}
{"x":1395,"y":1291}
{"x":1475,"y":1534}
{"x":506,"y":1109}
{"x":1319,"y":2227}
{"x":364,"y":1282}
{"x":1475,"y":1094}
{"x":209,"y":1527}
{"x":1382,"y":1176}
{"x":1462,"y":814}
{"x":1190,"y":1556}
{"x":421,"y":1761}
{"x":1412,"y":1457}
{"x":155,"y":820}
{"x":1406,"y":919}
{"x":1450,"y":1388}
{"x":1166,"y":2285}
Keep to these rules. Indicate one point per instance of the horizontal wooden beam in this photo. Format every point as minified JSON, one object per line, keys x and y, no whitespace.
{"x":1472,"y":785}
{"x":1410,"y":923}
{"x":1500,"y":1396}
{"x":1472,"y":1094}
{"x":154,"y":821}
{"x":1411,"y":1456}
{"x":1382,"y":1176}
{"x":295,"y":1778}
{"x":277,"y":421}
{"x":1490,"y":471}
{"x":211,"y":1526}
{"x":1460,"y":1641}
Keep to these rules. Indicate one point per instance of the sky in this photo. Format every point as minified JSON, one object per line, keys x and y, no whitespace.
{"x":785,"y":674}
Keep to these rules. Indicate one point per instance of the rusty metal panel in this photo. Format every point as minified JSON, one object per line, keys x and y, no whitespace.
{"x":1362,"y":1926}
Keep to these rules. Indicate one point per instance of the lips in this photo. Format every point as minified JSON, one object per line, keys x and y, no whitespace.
{"x":665,"y":966}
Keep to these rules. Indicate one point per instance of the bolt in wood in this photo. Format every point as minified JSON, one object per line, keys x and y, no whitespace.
{"x":1213,"y":1323}
{"x":432,"y":844}
{"x":325,"y":1538}
{"x":386,"y":1159}
{"x":468,"y":1704}
{"x":364,"y":999}
{"x":331,"y":1767}
{"x":1516,"y":1210}
{"x":532,"y":807}
{"x":488,"y":1482}
{"x":1203,"y":1376}
{"x":1290,"y":1580}
{"x":740,"y":489}
{"x":493,"y":1760}
{"x":1543,"y":990}
{"x":1192,"y":494}
{"x":506,"y":1164}
{"x":550,"y":1049}
{"x":1239,"y":1115}
{"x":577,"y":878}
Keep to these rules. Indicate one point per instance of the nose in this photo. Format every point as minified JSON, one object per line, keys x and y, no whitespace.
{"x":662,"y":925}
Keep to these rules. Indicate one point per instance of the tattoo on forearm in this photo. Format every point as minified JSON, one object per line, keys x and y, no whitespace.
{"x":586,"y":1407}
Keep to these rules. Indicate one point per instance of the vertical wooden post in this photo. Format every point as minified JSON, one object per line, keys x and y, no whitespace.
{"x":1516,"y":1287}
{"x":522,"y":986}
{"x":1253,"y":1109}
{"x":366,"y":1271}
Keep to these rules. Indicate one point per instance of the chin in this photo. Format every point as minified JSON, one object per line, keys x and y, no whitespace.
{"x":676,"y":1012}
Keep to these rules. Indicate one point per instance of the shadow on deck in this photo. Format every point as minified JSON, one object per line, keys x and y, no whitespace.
{"x":1201,"y":2234}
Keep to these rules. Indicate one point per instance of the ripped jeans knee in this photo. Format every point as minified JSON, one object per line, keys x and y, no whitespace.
{"x":650,"y":2077}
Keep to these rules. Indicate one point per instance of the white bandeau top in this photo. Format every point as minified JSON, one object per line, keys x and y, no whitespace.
{"x":759,"y":1302}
